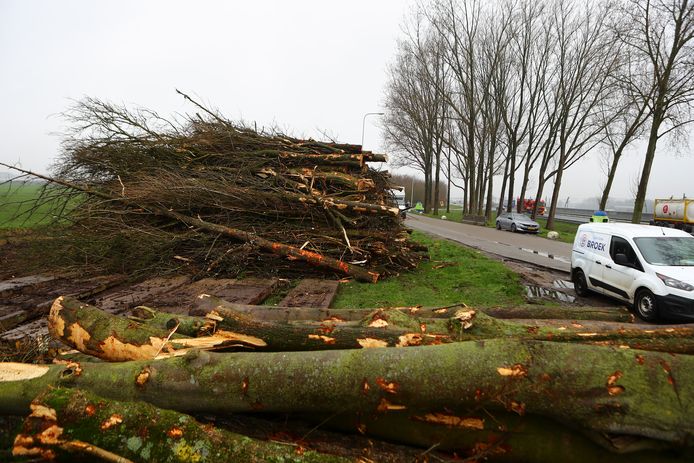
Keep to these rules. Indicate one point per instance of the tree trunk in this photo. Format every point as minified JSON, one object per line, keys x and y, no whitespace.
{"x":507,"y":437}
{"x":206,"y":303}
{"x":538,"y":196}
{"x":500,"y":209}
{"x":490,"y":187}
{"x":64,"y":422}
{"x":603,"y":389}
{"x":108,"y":337}
{"x":555,"y":197}
{"x":646,"y":170}
{"x":113,"y":338}
{"x":448,"y":184}
{"x":436,"y":182}
{"x":524,"y":188}
{"x":610,"y":179}
{"x":512,"y":176}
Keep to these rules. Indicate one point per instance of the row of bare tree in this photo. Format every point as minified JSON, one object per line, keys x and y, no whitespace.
{"x":524,"y":89}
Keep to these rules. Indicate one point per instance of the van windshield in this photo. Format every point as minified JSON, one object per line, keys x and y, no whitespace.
{"x":667,"y":250}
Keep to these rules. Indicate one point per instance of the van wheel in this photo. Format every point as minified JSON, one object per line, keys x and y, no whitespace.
{"x":580,"y":284}
{"x":646,"y":305}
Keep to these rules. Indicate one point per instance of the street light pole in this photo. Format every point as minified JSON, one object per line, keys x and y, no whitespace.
{"x":363,"y":125}
{"x":412,"y":192}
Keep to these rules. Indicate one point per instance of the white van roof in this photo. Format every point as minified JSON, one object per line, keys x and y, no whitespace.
{"x":631,"y":230}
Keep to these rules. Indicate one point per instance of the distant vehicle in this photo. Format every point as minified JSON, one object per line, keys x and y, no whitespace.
{"x":651,"y":268}
{"x":600,"y":217}
{"x":677,"y":213}
{"x":399,"y":197}
{"x":517,"y":223}
{"x":527,"y":205}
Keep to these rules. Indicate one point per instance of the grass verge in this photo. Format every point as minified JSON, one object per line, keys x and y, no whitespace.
{"x":454,"y":274}
{"x":566,"y":230}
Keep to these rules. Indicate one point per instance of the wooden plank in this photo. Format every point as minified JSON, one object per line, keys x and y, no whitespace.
{"x":246,"y":291}
{"x":8,"y":287}
{"x":143,"y":293}
{"x":311,"y":293}
{"x":35,"y":301}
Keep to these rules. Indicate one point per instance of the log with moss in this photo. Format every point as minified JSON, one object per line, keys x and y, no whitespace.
{"x":205,"y":303}
{"x":506,"y":436}
{"x":621,"y":392}
{"x":113,"y":338}
{"x":66,"y":423}
{"x":400,"y":328}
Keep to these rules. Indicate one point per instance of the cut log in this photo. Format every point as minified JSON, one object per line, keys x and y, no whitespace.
{"x":112,"y":338}
{"x":65,"y":422}
{"x":206,"y":302}
{"x":675,"y":339}
{"x":95,"y":332}
{"x":607,"y":390}
{"x":508,"y":437}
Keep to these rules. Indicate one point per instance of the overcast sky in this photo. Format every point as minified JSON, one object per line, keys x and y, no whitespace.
{"x":303,"y":65}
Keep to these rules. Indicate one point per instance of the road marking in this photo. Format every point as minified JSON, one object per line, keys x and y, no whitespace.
{"x":545,"y":254}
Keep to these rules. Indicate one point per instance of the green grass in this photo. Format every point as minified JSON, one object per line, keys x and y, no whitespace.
{"x":566,"y":230}
{"x":465,"y":275}
{"x":16,"y":202}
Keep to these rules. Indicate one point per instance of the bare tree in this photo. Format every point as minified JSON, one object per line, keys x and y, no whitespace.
{"x":660,"y":37}
{"x":413,"y":125}
{"x":619,"y":134}
{"x":523,"y":75}
{"x":584,"y":60}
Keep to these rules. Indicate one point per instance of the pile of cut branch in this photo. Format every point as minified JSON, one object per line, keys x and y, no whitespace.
{"x":143,"y":193}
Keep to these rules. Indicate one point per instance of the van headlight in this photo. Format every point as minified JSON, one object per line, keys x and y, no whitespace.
{"x":671,"y":282}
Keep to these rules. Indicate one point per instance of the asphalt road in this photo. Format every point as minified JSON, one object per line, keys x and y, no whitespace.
{"x":527,"y":248}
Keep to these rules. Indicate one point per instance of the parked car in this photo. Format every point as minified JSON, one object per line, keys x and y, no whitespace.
{"x":651,"y":268}
{"x":517,"y":222}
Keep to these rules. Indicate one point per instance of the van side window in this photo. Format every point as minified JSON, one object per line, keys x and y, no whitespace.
{"x":621,"y":246}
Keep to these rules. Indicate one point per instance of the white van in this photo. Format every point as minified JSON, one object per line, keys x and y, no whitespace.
{"x":647,"y":266}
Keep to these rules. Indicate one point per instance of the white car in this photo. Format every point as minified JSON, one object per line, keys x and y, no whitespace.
{"x":648,"y":266}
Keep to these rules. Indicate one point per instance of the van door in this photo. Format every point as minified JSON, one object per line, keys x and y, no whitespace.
{"x":619,"y":279}
{"x":593,"y":247}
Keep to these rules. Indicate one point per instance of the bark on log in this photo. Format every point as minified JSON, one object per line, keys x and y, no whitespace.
{"x":674,"y":339}
{"x":508,"y":437}
{"x":206,"y":302}
{"x":290,"y":252}
{"x":603,"y":389}
{"x":109,"y":337}
{"x":64,"y":422}
{"x":112,"y":338}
